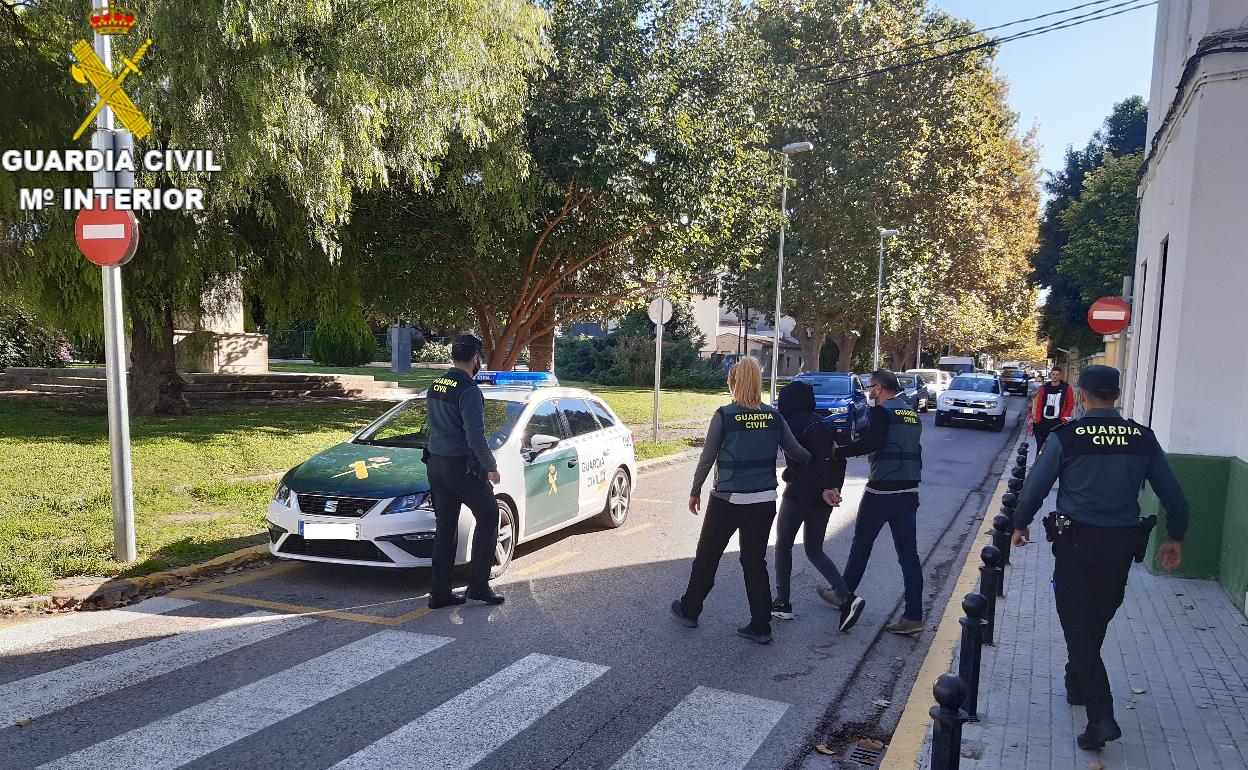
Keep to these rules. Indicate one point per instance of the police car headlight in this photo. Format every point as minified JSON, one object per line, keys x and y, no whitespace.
{"x":834,"y":411}
{"x":406,"y":503}
{"x":282,"y":495}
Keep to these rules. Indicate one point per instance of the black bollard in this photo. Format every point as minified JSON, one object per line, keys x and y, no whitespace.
{"x":950,"y":693}
{"x":1002,"y":531}
{"x":1024,"y":448}
{"x":1015,"y":485}
{"x":987,"y":586}
{"x":1018,"y":472}
{"x":1010,"y":500}
{"x":974,"y":605}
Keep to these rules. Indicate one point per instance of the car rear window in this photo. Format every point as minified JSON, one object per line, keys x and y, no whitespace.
{"x":580,"y":419}
{"x":604,"y":416}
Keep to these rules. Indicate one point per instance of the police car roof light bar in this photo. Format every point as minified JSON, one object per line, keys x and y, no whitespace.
{"x":518,"y":379}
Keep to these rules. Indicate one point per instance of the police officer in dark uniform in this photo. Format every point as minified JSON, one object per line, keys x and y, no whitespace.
{"x":461,"y":472}
{"x":1102,"y":461}
{"x":891,"y":496}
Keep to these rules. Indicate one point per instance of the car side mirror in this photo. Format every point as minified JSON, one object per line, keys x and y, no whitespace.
{"x":540,"y":442}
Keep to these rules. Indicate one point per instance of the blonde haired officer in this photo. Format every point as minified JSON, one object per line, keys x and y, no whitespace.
{"x":1102,"y":461}
{"x":742,"y":442}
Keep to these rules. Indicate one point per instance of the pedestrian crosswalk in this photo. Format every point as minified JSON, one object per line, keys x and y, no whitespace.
{"x":708,"y":728}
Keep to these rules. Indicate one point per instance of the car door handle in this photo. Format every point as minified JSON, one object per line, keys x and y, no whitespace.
{"x":571,"y":463}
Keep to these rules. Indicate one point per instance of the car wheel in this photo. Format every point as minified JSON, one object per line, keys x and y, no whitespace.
{"x":940,"y":420}
{"x":998,"y":423}
{"x":619,"y":495}
{"x":505,"y":548}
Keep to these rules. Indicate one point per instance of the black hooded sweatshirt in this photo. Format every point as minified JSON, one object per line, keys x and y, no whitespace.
{"x":806,"y":482}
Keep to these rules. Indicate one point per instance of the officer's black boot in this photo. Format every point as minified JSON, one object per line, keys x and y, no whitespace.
{"x":1098,"y":733}
{"x":486,"y":595}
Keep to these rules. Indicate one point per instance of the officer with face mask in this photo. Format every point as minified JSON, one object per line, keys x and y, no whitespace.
{"x":1102,"y":462}
{"x":462,"y":471}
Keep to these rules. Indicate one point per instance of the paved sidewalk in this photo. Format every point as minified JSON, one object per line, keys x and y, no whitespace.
{"x":1177,"y":655}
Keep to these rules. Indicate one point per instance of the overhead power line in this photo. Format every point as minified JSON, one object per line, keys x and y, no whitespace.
{"x":1042,"y":30}
{"x":961,"y":35}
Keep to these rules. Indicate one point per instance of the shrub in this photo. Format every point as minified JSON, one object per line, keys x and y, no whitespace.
{"x":432,"y":353}
{"x":23,"y":342}
{"x":343,"y":340}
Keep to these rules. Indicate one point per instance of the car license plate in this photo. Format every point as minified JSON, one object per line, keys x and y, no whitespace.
{"x":968,"y":411}
{"x":326,"y":530}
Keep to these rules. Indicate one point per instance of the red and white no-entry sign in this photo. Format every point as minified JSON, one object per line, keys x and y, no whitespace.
{"x":107,"y":236}
{"x":1109,"y":315}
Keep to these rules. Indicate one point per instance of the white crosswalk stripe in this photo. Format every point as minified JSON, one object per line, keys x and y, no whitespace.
{"x":42,"y":694}
{"x":74,"y":623}
{"x":715,"y":726}
{"x":206,"y":727}
{"x":469,"y":727}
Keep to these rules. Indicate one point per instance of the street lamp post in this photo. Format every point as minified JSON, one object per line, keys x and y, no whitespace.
{"x":879,"y":289}
{"x":789,"y":149}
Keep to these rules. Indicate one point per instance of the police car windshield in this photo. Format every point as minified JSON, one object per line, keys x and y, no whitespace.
{"x":975,"y":384}
{"x":408,"y":425}
{"x":828,"y":386}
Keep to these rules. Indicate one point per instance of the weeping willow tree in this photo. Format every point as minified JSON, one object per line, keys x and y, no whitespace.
{"x":306,"y":105}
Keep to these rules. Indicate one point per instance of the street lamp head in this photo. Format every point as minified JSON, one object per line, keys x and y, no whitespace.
{"x":889,"y":233}
{"x":796,"y":147}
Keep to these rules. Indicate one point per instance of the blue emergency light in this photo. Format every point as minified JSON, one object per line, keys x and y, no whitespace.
{"x":521,"y":379}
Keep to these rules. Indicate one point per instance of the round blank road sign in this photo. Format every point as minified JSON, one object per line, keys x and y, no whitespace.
{"x":660,"y":305}
{"x":107,"y":236}
{"x":1109,"y":315}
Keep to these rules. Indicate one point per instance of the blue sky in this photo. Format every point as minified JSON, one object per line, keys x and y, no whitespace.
{"x":1065,"y":82}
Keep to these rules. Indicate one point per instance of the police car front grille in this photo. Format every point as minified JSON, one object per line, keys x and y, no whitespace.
{"x":972,"y":404}
{"x":348,"y":507}
{"x":350,"y":550}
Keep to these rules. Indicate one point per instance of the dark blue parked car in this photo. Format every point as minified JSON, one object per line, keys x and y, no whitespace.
{"x":841,"y":399}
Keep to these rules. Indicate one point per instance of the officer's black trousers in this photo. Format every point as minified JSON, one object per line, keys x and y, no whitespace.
{"x":452,"y":487}
{"x":1089,"y":581}
{"x":753,"y":521}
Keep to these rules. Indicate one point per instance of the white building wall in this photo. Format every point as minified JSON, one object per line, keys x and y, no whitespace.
{"x":1194,"y":208}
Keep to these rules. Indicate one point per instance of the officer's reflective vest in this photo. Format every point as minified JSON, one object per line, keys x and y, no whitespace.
{"x":901,"y":457}
{"x":747,"y":453}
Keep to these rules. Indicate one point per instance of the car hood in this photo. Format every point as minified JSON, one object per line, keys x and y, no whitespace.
{"x":362,"y":470}
{"x":970,"y":395}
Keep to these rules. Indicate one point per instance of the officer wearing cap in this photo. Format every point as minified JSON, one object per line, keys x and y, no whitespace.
{"x":1102,"y":461}
{"x":461,"y":471}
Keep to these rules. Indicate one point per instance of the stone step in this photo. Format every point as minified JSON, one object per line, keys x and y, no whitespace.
{"x":267,"y":395}
{"x":45,"y":387}
{"x":325,"y":386}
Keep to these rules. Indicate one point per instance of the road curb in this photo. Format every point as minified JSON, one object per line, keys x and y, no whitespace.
{"x":115,"y":592}
{"x":908,"y":739}
{"x":645,"y":466}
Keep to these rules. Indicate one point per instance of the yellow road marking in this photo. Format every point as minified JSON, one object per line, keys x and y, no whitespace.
{"x":541,"y":565}
{"x":633,"y":530}
{"x":303,"y":609}
{"x":652,"y":500}
{"x":250,"y":576}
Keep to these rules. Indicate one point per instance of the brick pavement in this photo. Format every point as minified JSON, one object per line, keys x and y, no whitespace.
{"x":1182,"y":643}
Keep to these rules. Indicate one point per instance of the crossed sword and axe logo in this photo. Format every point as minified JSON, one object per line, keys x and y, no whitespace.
{"x":90,"y":69}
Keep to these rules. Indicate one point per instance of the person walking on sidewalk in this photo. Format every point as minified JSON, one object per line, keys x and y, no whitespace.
{"x":811,"y":492}
{"x":1101,"y":461}
{"x":892,"y":493}
{"x":742,"y":442}
{"x":1055,"y":402}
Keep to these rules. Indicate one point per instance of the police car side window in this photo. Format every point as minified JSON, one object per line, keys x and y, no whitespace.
{"x":545,"y":419}
{"x":604,"y":416}
{"x":580,"y":419}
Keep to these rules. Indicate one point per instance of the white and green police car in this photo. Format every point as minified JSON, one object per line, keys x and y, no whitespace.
{"x":563,"y":455}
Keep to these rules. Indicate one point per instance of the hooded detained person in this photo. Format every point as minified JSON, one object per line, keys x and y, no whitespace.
{"x":812,"y":490}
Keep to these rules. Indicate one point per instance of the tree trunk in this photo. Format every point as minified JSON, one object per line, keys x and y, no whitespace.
{"x":155,"y":385}
{"x":812,"y":346}
{"x":542,"y":349}
{"x":845,"y":345}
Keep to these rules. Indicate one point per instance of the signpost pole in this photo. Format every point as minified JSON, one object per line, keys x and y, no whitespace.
{"x":658,"y":365}
{"x":124,"y":548}
{"x":1122,"y":344}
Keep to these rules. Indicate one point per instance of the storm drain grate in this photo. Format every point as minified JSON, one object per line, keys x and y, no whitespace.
{"x":867,"y":754}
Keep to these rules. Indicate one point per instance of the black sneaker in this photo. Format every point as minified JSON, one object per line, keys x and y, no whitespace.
{"x":438,"y":602}
{"x":1098,"y":733}
{"x":487,"y":596}
{"x":782,"y":610}
{"x":680,"y":615}
{"x":851,"y":610}
{"x":755,"y":635}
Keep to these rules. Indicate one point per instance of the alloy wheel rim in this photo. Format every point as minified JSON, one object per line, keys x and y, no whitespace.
{"x":506,"y":533}
{"x":619,"y":499}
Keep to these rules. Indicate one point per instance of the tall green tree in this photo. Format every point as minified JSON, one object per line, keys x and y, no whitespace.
{"x":307,"y":105}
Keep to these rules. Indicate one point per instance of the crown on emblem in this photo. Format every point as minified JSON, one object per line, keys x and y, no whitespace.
{"x":112,"y":20}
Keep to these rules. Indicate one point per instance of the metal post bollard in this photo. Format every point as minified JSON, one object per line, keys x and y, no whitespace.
{"x":950,"y":692}
{"x":974,"y":605}
{"x":1001,"y":532}
{"x":1023,"y":449}
{"x":987,"y":586}
{"x":1015,"y":485}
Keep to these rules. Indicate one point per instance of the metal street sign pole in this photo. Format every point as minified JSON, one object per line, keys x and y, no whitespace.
{"x":775,"y":332}
{"x":1122,"y":345}
{"x":124,"y":549}
{"x":658,"y":365}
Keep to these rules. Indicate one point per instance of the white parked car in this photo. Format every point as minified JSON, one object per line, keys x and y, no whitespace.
{"x":937,"y":380}
{"x":972,"y":396}
{"x":563,"y":455}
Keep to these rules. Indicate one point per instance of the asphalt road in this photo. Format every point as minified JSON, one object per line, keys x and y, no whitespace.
{"x":315,"y":666}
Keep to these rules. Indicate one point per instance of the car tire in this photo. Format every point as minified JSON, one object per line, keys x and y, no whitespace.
{"x":619,"y":496}
{"x":998,"y":423}
{"x":940,"y":419}
{"x":508,"y":528}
